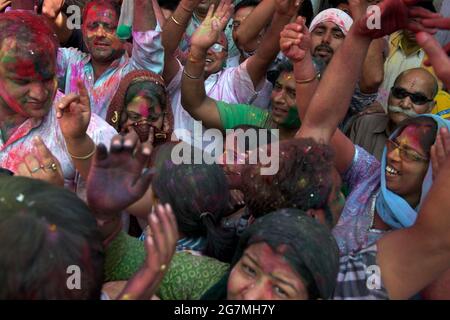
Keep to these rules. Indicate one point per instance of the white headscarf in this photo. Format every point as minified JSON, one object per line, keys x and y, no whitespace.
{"x":338,"y":17}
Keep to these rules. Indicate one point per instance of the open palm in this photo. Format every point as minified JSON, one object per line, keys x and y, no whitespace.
{"x":214,"y":23}
{"x":116,"y":179}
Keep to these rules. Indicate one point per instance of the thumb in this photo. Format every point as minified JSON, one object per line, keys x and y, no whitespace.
{"x":42,"y":151}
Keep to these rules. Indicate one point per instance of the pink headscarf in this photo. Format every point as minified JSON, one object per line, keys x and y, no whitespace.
{"x":338,"y":17}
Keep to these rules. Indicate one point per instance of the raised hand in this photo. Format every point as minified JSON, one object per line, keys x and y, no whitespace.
{"x":51,"y":8}
{"x":41,"y":164}
{"x":295,"y":40}
{"x":440,"y":150}
{"x":395,"y":15}
{"x":116,"y":179}
{"x":287,"y":7}
{"x":160,"y":244}
{"x":214,"y":23}
{"x":4,"y":4}
{"x":74,"y":113}
{"x":438,"y":57}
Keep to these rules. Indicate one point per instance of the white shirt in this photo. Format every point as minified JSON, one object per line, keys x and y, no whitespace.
{"x":231,"y":85}
{"x":13,"y":151}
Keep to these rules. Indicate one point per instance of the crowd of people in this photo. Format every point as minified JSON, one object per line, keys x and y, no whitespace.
{"x":225,"y":150}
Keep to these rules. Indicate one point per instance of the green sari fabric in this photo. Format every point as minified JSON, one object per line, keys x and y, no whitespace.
{"x":187,"y":278}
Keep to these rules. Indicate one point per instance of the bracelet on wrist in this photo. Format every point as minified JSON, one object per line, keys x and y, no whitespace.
{"x":187,"y":74}
{"x":317,"y":75}
{"x":90,"y":154}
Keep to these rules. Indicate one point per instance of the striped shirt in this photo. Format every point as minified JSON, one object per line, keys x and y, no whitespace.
{"x":359,"y":277}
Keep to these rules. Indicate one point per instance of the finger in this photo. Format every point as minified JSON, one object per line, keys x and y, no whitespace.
{"x":291,"y":34}
{"x":64,"y":103}
{"x":285,"y":45}
{"x":129,"y":141}
{"x":22,"y":170}
{"x":44,"y":154}
{"x":146,"y":148}
{"x":157,"y":231}
{"x":32,"y":163}
{"x":153,"y":259}
{"x":210,"y":12}
{"x":445,"y":138}
{"x":440,"y":150}
{"x":83,"y":95}
{"x":170,"y":239}
{"x":297,"y":27}
{"x":436,"y":55}
{"x":116,"y":143}
{"x":171,"y":230}
{"x":416,"y":27}
{"x":49,"y":163}
{"x":419,"y":12}
{"x":440,"y":23}
{"x":172,"y":219}
{"x":101,"y":154}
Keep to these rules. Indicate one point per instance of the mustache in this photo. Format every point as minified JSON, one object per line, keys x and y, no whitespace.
{"x":324,"y":46}
{"x":395,"y":109}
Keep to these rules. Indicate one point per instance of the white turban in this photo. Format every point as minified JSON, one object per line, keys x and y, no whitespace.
{"x":338,"y":17}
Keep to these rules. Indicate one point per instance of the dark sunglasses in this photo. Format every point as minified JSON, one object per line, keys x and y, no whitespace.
{"x":416,"y":98}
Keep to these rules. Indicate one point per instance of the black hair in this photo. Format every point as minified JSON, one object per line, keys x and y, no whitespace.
{"x":306,"y":11}
{"x":246,"y":4}
{"x":427,"y":4}
{"x":199,"y":195}
{"x":45,"y":230}
{"x":307,"y":246}
{"x":303,"y":179}
{"x":169,"y":4}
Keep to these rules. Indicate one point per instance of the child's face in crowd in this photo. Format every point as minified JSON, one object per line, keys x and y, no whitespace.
{"x":405,"y":176}
{"x":283,"y":97}
{"x":326,"y":38}
{"x":99,"y":34}
{"x":28,"y":79}
{"x":262,"y":274}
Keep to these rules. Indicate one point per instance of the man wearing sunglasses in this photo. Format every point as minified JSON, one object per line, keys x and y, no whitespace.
{"x":412,"y":94}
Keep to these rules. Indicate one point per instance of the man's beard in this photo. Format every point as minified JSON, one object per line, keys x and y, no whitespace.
{"x":324,"y":47}
{"x":395,"y":109}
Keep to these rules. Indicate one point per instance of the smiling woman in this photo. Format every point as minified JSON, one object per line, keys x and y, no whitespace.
{"x":284,"y":255}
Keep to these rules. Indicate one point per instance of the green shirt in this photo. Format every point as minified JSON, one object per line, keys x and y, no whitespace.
{"x":187,"y":278}
{"x":232,"y":115}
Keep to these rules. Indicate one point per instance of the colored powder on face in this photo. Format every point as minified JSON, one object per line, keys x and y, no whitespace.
{"x":410,"y":136}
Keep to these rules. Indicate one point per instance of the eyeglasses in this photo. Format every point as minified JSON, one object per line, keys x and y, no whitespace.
{"x":405,"y":153}
{"x":217,"y":47}
{"x":135,"y":117}
{"x":416,"y":98}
